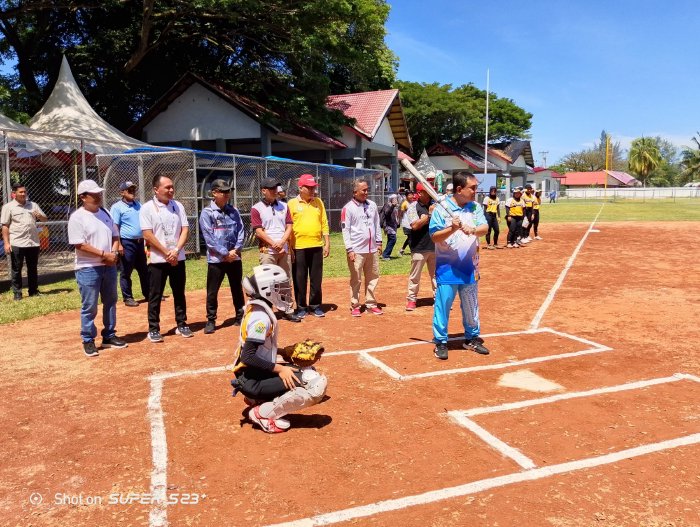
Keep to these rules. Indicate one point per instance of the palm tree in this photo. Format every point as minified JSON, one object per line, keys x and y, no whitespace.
{"x":644,"y":157}
{"x":690,"y":161}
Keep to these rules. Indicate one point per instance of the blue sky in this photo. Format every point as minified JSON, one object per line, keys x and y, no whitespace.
{"x":628,"y":67}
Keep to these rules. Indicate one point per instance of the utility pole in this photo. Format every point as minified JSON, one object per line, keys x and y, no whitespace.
{"x":544,"y":157}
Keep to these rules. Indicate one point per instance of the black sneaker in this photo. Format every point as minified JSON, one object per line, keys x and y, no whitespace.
{"x":440,"y":351}
{"x":155,"y":336}
{"x":210,"y":328}
{"x":90,"y":349}
{"x":36,"y":293}
{"x":185,"y":331}
{"x":114,"y":342}
{"x":130,"y":302}
{"x":478,"y":339}
{"x":292,"y":317}
{"x":18,"y":296}
{"x":476,"y":346}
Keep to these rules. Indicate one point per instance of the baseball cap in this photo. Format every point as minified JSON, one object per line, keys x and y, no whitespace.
{"x":89,"y":186}
{"x":307,"y":180}
{"x":528,"y":186}
{"x":220,"y":184}
{"x":279,"y":188}
{"x":450,"y":186}
{"x":517,"y":189}
{"x":126,"y":185}
{"x":419,"y":187}
{"x":269,"y":182}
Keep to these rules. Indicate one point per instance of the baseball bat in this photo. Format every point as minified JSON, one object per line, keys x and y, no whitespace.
{"x":427,"y":186}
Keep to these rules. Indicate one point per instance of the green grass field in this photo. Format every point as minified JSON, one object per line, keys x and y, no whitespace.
{"x":63,"y":295}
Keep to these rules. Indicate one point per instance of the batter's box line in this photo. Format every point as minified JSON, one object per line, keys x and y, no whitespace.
{"x":462,"y":417}
{"x":391,"y":372}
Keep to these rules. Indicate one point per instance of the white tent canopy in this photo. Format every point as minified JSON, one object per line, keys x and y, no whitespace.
{"x":67,"y":113}
{"x":8,"y":124}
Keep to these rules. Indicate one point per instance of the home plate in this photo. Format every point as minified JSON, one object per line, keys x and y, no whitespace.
{"x":526,"y":380}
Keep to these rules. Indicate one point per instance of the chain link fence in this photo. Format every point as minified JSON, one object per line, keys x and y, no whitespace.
{"x":51,"y":166}
{"x":642,"y":194}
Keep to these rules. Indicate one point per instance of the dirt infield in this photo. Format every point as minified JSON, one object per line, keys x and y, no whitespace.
{"x":78,"y":432}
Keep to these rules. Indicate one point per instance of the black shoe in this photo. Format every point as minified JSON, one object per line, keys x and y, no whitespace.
{"x":210,"y":328}
{"x":479,"y":340}
{"x":36,"y":293}
{"x":90,"y":349}
{"x":155,"y":336}
{"x":114,"y":342}
{"x":185,"y":331}
{"x":292,"y":317}
{"x":18,"y":296}
{"x":476,"y":346}
{"x":130,"y":302}
{"x":440,"y":351}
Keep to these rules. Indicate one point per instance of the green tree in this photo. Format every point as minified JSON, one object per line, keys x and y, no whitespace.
{"x":690,"y":163}
{"x":644,"y":157}
{"x":436,"y":112}
{"x":668,"y":173}
{"x":288,"y":55}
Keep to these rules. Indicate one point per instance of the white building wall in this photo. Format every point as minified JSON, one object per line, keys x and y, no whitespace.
{"x":449,"y":163}
{"x":384,"y":136}
{"x":197,"y":115}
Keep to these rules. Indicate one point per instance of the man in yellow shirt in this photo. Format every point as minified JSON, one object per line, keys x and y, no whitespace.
{"x":311,"y":243}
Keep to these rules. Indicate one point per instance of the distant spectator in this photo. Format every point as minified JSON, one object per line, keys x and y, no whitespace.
{"x":165,"y":229}
{"x":21,"y":238}
{"x":553,"y":196}
{"x":222,"y":228}
{"x":281,"y":194}
{"x":389,"y":220}
{"x":96,"y":240}
{"x":405,"y":222}
{"x":312,"y":243}
{"x":362,"y":237}
{"x":422,"y":246}
{"x":125,"y":214}
{"x":272,"y":224}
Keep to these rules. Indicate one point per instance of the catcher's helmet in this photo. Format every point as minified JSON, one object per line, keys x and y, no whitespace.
{"x":269,"y":282}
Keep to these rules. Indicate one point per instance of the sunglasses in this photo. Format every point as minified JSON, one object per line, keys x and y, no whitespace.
{"x":223,"y":191}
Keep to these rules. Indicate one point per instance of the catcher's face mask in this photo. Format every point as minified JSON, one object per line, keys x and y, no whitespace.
{"x":270,"y":283}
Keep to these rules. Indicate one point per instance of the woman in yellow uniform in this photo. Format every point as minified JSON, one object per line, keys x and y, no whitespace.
{"x":515,"y":209}
{"x":493,"y":215}
{"x":536,"y":213}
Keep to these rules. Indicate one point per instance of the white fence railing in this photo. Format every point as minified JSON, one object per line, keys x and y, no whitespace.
{"x":636,"y":193}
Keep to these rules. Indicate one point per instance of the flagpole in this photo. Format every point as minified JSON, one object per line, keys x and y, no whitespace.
{"x":486,"y":137}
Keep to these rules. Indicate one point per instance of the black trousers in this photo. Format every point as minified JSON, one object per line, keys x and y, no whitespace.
{"x":158,"y":275}
{"x":407,"y":241}
{"x":535,"y":220}
{"x":215,"y":276}
{"x":308,"y":268}
{"x":134,"y":258}
{"x":18,"y":256}
{"x":492,"y":221}
{"x":514,"y":228}
{"x":261,"y":384}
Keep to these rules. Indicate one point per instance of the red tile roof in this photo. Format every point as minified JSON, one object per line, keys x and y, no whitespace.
{"x":367,"y":108}
{"x":594,"y":178}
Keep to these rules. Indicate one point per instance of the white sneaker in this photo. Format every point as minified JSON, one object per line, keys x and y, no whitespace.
{"x":271,"y":426}
{"x":538,"y":237}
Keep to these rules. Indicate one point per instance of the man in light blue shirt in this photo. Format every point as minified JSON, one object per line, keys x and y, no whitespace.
{"x":222,"y":228}
{"x":456,"y":236}
{"x":125,"y":214}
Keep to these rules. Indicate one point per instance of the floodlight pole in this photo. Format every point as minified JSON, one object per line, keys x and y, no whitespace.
{"x":486,"y":136}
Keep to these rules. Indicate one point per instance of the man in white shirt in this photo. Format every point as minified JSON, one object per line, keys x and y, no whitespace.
{"x":165,"y":230}
{"x":21,"y":238}
{"x":96,"y":240}
{"x":362,"y":236}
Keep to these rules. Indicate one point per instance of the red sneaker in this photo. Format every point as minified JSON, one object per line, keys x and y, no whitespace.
{"x":376,"y":310}
{"x":355,"y":312}
{"x":410,"y":306}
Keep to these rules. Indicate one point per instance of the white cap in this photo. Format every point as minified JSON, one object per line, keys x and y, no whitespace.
{"x":89,"y":186}
{"x":450,"y":186}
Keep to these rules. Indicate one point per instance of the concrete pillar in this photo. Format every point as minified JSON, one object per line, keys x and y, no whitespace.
{"x":265,"y":142}
{"x":221,"y":145}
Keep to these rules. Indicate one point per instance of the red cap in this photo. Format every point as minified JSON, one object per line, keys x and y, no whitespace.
{"x":419,"y":187}
{"x":307,"y":180}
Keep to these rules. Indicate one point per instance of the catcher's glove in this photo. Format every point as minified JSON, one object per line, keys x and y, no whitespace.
{"x":303,"y":353}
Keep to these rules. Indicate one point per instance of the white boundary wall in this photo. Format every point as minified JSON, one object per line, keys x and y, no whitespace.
{"x":637,"y":193}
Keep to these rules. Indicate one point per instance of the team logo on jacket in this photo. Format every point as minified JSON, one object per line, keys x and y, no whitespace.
{"x":259,"y":328}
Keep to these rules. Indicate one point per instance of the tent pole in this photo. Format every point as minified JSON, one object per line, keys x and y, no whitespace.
{"x":82,"y":155}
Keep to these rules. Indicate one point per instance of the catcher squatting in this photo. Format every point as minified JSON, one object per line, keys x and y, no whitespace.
{"x":271,"y":389}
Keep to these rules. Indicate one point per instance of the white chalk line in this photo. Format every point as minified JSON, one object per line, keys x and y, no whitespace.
{"x":487,"y":484}
{"x":571,"y":395}
{"x":501,"y":446}
{"x":550,"y":296}
{"x":382,"y":366}
{"x":159,"y":452}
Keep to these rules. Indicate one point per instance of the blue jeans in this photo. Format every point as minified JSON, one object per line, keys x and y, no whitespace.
{"x":469,"y":300}
{"x":390,"y":242}
{"x":95,"y":283}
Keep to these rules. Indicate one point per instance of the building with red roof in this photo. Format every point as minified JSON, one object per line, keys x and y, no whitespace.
{"x":599,"y":178}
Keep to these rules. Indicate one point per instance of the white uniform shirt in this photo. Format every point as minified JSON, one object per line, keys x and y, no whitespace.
{"x":166,"y":222}
{"x":91,"y":228}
